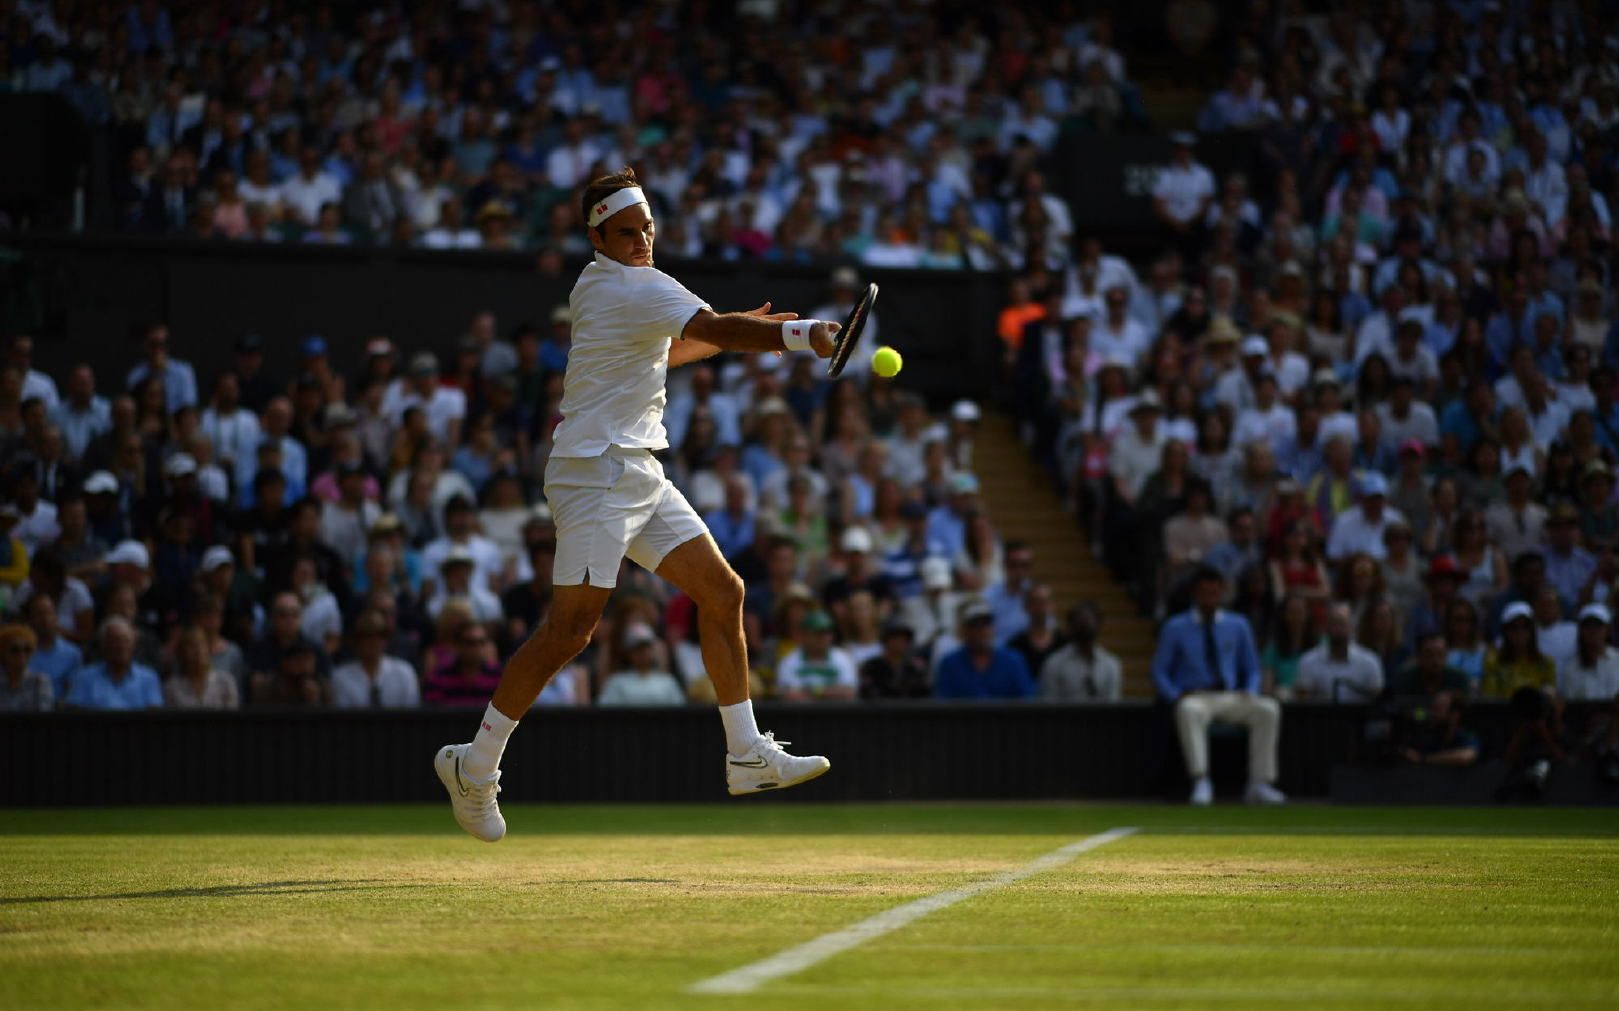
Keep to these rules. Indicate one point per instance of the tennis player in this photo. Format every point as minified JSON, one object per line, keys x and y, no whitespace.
{"x":610,"y":499}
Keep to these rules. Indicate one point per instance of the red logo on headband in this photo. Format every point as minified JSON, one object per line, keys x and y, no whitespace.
{"x":601,"y":208}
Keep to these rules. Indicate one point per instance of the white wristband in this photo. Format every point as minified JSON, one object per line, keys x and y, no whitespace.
{"x":795,"y":334}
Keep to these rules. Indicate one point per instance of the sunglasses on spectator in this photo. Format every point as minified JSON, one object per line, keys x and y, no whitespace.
{"x":21,"y":649}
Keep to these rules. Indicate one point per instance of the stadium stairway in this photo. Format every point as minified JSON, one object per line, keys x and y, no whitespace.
{"x":1025,"y":506}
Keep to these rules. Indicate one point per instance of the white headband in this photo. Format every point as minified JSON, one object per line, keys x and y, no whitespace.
{"x":614,"y":202}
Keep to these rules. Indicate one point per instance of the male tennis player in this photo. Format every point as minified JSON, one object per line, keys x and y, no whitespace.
{"x":631,"y":324}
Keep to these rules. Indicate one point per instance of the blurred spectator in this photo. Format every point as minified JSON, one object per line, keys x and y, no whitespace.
{"x":293,"y":681}
{"x":897,"y":672}
{"x":642,"y":683}
{"x":1430,"y":729}
{"x":1042,"y":636}
{"x":1340,"y":669}
{"x":979,"y":669}
{"x":1517,"y":662}
{"x":116,"y":681}
{"x":196,"y":683}
{"x":177,"y":379}
{"x":1082,"y":670}
{"x":23,"y":689}
{"x":467,"y":674}
{"x":53,"y":655}
{"x":816,"y":670}
{"x":373,"y":678}
{"x":283,"y":635}
{"x":1208,"y":669}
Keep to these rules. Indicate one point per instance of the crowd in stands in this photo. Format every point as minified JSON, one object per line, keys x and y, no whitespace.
{"x":897,"y":136}
{"x":1368,"y":379}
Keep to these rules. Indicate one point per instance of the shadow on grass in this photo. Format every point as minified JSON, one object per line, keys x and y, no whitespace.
{"x":221,"y":891}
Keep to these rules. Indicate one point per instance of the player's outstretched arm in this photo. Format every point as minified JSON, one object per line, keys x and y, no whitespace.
{"x":757,"y":330}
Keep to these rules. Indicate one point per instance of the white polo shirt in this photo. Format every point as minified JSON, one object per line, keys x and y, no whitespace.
{"x":1183,"y":190}
{"x":1356,"y":678}
{"x":624,"y":320}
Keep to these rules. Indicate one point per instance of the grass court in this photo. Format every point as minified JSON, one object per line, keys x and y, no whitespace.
{"x":632,"y":907}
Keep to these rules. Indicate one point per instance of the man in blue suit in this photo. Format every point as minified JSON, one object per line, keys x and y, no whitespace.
{"x":1208,"y":669}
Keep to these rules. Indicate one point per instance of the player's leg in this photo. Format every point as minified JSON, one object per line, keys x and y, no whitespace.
{"x":598,"y":505}
{"x":568,"y":626}
{"x":698,"y":568}
{"x":675,"y":545}
{"x":471,"y":772}
{"x":1192,"y":716}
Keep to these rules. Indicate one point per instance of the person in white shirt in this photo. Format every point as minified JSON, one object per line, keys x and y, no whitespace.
{"x":455,"y":582}
{"x":1269,"y":420}
{"x":36,"y":385}
{"x":1291,"y":368}
{"x":1556,"y":638}
{"x":1592,"y":673}
{"x":1404,"y":418}
{"x":311,"y":189}
{"x":816,"y":671}
{"x":1335,"y":422}
{"x":1116,"y":333}
{"x":461,"y":534}
{"x":610,"y":499}
{"x":445,"y":406}
{"x":1339,"y":669}
{"x":642,"y":683}
{"x":322,"y":620}
{"x":374,"y":679}
{"x":1360,"y":530}
{"x":1184,"y":188}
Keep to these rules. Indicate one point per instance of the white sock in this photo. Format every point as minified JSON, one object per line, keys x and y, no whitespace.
{"x":483,"y":758}
{"x":740,"y":730}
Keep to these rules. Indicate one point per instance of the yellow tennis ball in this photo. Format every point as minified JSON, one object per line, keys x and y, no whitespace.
{"x":887,"y":362}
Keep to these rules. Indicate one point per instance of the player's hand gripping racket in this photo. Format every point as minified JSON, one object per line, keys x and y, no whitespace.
{"x":849,"y":336}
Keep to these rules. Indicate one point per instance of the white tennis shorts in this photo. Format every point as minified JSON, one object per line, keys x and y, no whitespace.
{"x":609,"y":506}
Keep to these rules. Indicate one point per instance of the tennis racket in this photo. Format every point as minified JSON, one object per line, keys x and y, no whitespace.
{"x":849,"y":336}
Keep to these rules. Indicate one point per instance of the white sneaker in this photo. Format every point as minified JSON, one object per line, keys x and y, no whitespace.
{"x":1202,"y":792}
{"x":474,"y":804}
{"x":767,"y":767}
{"x":1264,"y":793}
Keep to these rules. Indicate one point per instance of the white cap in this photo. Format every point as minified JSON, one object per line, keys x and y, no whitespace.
{"x":1515,"y":610}
{"x":129,"y":553}
{"x":639,"y":634}
{"x":1254,"y":345}
{"x":936,"y":574}
{"x":216,"y":556}
{"x":857,"y":539}
{"x":1373,"y":483}
{"x":101,"y":482}
{"x":1596,"y":612}
{"x":179,"y":465}
{"x":965,"y":410}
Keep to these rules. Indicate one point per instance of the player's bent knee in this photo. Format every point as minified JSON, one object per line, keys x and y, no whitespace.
{"x":726,"y":592}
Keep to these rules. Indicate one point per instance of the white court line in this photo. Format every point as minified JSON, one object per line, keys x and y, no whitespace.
{"x":785,"y":963}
